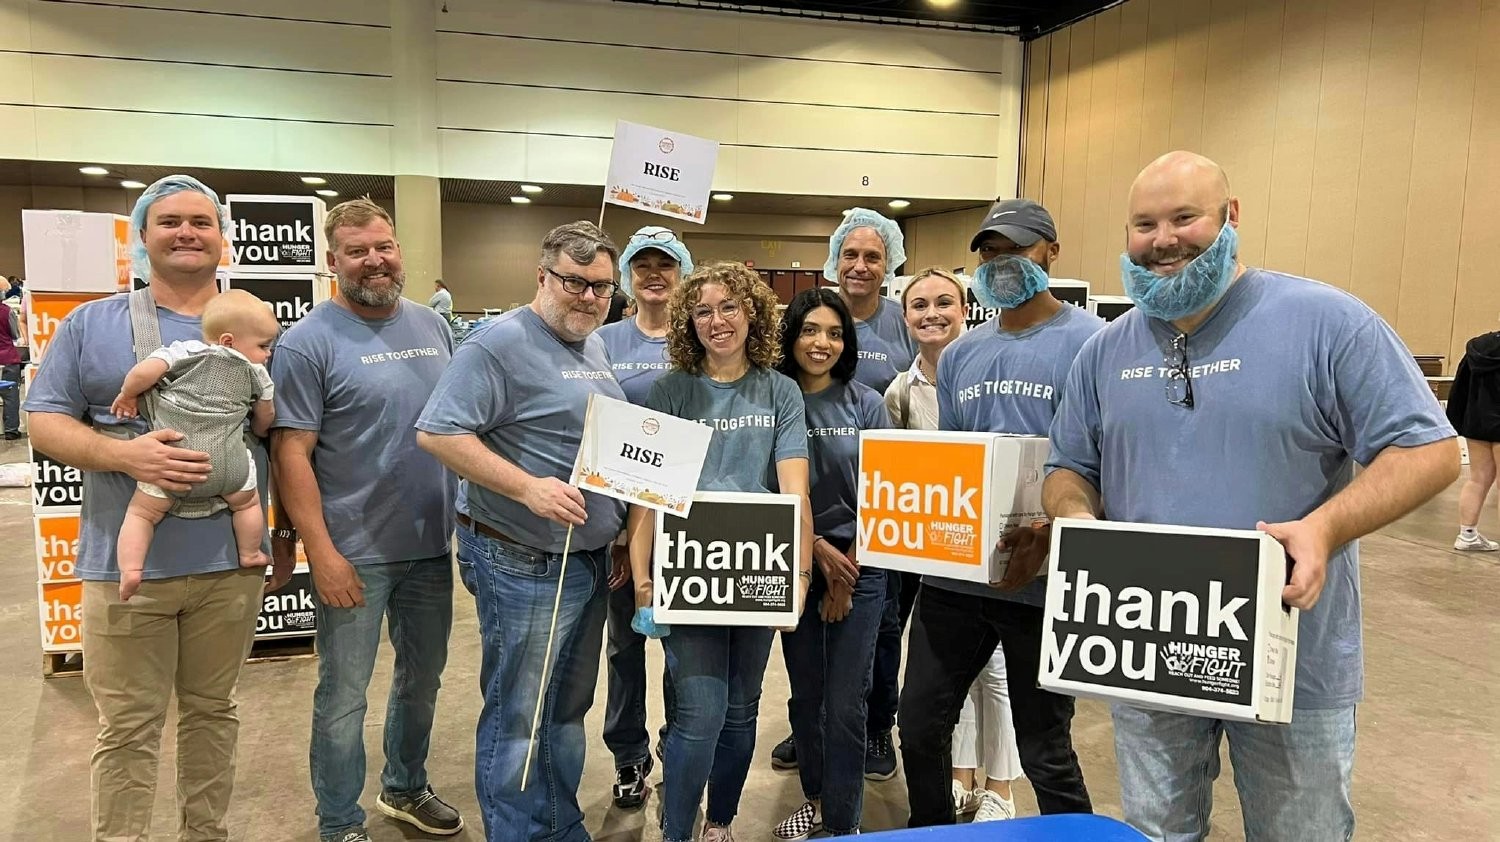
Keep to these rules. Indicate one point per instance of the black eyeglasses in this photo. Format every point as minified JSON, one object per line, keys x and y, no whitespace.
{"x":576,"y":285}
{"x":1179,"y":383}
{"x":659,"y":236}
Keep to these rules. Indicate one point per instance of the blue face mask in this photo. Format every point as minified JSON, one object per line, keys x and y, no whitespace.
{"x":1196,"y":287}
{"x":1008,"y":282}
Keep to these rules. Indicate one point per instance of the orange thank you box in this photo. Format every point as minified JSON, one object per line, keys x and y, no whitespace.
{"x":56,"y":547}
{"x":937,"y":503}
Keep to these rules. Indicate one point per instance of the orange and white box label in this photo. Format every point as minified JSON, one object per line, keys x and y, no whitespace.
{"x":56,"y":547}
{"x":936,"y":503}
{"x":61,"y":616}
{"x":45,"y":313}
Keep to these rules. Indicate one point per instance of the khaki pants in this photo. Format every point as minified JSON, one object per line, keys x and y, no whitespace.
{"x":190,"y":634}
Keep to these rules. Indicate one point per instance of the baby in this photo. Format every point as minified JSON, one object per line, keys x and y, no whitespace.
{"x":204,"y":390}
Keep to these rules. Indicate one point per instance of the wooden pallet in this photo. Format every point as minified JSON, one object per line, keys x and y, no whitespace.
{"x":58,"y":664}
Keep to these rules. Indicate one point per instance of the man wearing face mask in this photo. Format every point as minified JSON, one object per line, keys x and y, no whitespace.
{"x":1242,"y":398}
{"x":1003,"y":376}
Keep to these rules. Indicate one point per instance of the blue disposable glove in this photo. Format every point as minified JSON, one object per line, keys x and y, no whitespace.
{"x":644,"y":622}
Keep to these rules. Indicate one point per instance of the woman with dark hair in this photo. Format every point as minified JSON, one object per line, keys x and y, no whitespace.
{"x":724,"y":339}
{"x":830,"y":656}
{"x":1474,"y":410}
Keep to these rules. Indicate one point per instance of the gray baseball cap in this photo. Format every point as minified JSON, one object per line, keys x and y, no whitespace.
{"x":1021,"y":220}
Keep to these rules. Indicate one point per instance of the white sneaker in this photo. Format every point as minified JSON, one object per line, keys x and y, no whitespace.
{"x":1479,"y":544}
{"x":715,"y":833}
{"x":965,"y":801}
{"x":993,"y":808}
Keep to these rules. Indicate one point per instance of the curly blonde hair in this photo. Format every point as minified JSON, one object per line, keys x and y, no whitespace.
{"x":741,"y":283}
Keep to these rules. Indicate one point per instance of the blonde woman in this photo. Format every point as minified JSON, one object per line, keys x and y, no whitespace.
{"x":724,"y":340}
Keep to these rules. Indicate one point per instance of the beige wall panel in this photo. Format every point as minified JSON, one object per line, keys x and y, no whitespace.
{"x":80,"y":82}
{"x":873,"y":87}
{"x":942,"y":239}
{"x":800,"y":126}
{"x":1385,"y":156}
{"x":588,"y":66}
{"x":180,"y":36}
{"x":1130,"y":101}
{"x":338,"y":11}
{"x":1161,"y":49}
{"x":1095,"y":243}
{"x":1341,"y":115}
{"x":67,"y":135}
{"x":1251,"y":177}
{"x":1223,"y":122}
{"x":18,"y":140}
{"x":827,"y":41}
{"x":1190,"y":76}
{"x":17,"y":83}
{"x":15,"y":24}
{"x":841,"y":173}
{"x":1068,"y":213}
{"x":505,"y":108}
{"x":1296,"y":136}
{"x":1058,"y":88}
{"x":1476,"y":306}
{"x":12,"y":201}
{"x":766,"y":252}
{"x":1034,"y":141}
{"x":1445,"y":102}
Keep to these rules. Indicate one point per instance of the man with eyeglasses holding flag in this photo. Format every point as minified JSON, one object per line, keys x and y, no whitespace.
{"x":507,"y":416}
{"x":1242,"y":398}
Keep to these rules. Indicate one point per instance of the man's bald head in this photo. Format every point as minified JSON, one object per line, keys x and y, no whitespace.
{"x":1177,"y":206}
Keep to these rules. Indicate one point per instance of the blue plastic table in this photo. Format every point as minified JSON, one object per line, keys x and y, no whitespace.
{"x":1036,"y":829}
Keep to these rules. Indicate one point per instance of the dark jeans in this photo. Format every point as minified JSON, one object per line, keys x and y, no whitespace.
{"x":828,"y":666}
{"x":11,"y":395}
{"x":625,"y":718}
{"x":952,"y":637}
{"x":885,"y":689}
{"x":717,"y":671}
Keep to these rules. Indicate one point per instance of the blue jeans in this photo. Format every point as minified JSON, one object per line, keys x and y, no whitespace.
{"x":416,"y":598}
{"x":514,"y":588}
{"x":11,"y":395}
{"x":885,"y":687}
{"x":625,"y":716}
{"x":717,"y":672}
{"x":829,"y":667}
{"x":1293,"y":780}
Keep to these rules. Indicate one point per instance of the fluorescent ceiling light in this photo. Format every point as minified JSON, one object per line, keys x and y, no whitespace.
{"x":327,"y":194}
{"x":314,"y":179}
{"x":132,"y":185}
{"x":898,"y":204}
{"x":519,"y":200}
{"x":530,"y":188}
{"x":723,"y":197}
{"x":93,"y":170}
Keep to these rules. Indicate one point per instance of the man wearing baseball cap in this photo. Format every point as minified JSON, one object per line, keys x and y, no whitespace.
{"x":1003,"y":376}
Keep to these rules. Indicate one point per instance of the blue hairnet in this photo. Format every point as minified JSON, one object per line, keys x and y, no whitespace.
{"x":889,"y":231}
{"x":140,"y":264}
{"x":653,"y":237}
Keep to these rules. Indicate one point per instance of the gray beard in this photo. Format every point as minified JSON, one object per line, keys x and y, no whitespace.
{"x":366,"y":297}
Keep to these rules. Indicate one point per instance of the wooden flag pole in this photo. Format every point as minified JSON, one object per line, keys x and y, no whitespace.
{"x":541,"y":696}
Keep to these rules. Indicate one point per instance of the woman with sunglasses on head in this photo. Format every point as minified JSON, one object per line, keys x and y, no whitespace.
{"x":651,"y":265}
{"x":934,"y":304}
{"x":724,"y":342}
{"x":830,"y":656}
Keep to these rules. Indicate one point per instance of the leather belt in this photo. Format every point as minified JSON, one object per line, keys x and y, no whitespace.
{"x":484,"y":529}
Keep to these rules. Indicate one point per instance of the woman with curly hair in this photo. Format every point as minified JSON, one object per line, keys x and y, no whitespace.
{"x":724,"y":341}
{"x":831,"y":655}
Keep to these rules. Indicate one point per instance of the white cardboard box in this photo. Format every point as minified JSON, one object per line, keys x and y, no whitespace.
{"x":76,"y":251}
{"x":936,"y":503}
{"x":1110,"y":307}
{"x":1070,"y":291}
{"x":1173,"y":618}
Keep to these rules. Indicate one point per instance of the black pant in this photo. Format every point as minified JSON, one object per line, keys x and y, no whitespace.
{"x":953,"y":635}
{"x":885,"y":692}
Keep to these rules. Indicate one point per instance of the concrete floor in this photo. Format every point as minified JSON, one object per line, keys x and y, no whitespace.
{"x":1428,"y":746}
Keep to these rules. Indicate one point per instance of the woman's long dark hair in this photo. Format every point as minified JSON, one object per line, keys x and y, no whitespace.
{"x":807,"y":301}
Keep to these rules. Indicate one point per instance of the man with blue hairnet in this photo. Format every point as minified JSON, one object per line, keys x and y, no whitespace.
{"x":1242,"y":398}
{"x":1002,"y":376}
{"x":191,"y":624}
